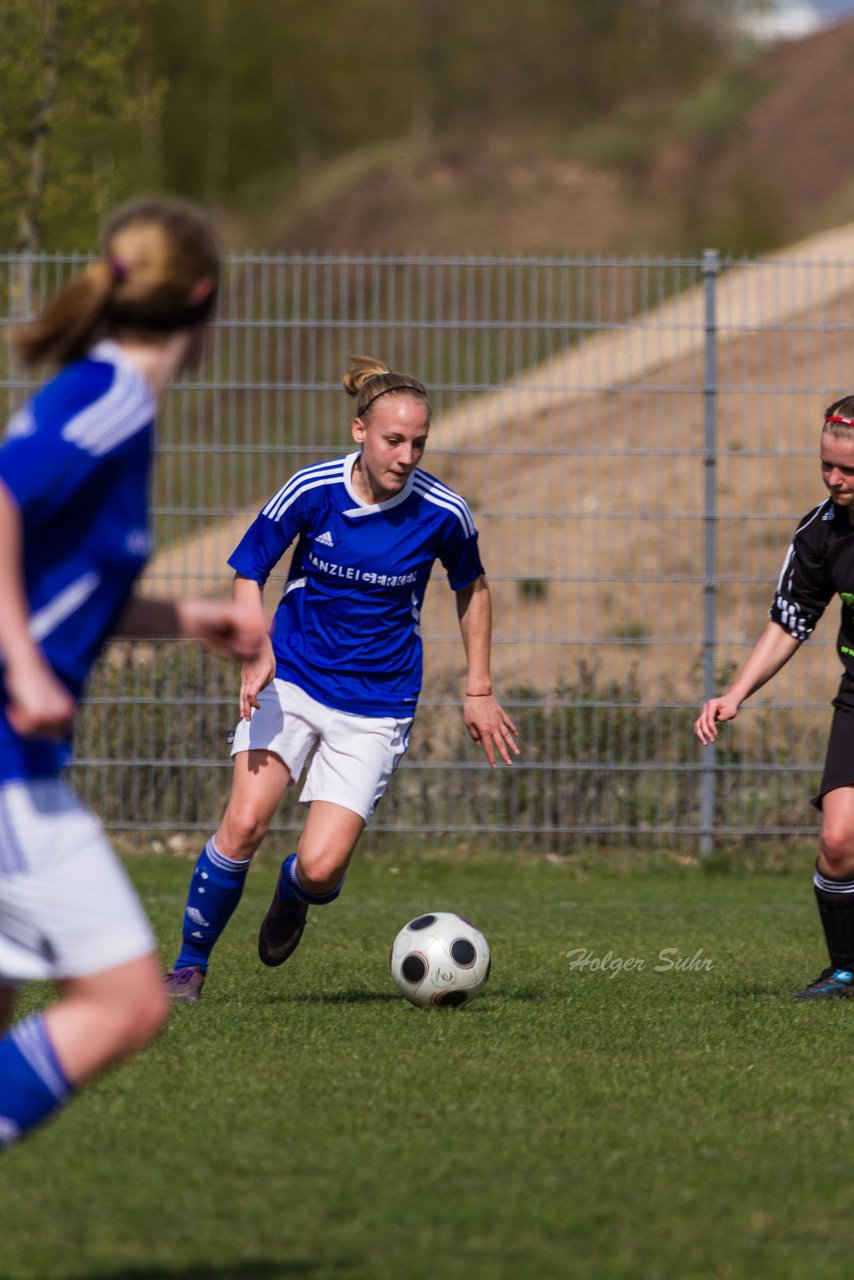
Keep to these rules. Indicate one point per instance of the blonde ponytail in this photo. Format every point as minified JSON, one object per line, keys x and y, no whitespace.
{"x":71,"y":321}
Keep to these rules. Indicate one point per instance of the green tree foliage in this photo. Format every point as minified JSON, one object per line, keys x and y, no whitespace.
{"x":560,"y":61}
{"x":267,"y":88}
{"x":219,"y":98}
{"x":79,"y":103}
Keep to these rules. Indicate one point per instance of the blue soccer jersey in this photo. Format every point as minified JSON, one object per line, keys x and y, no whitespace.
{"x":76,"y":461}
{"x":347,"y":627}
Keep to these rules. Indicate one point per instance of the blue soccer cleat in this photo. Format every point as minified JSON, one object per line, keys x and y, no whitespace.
{"x":831,"y":984}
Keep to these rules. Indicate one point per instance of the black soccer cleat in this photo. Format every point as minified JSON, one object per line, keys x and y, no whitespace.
{"x":281,"y":930}
{"x":831,"y":984}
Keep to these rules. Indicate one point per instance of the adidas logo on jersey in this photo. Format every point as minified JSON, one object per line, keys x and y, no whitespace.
{"x":325,"y":539}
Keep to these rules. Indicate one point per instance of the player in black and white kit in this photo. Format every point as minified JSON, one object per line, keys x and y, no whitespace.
{"x":818,"y":565}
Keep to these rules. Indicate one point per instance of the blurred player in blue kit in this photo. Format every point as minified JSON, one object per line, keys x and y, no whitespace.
{"x":338,"y":682}
{"x":74,"y":537}
{"x":819,"y":564}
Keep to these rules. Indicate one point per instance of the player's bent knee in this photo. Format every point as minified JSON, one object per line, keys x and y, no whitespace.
{"x":321,"y":875}
{"x":241,"y":832}
{"x":140,"y":1021}
{"x":131,"y":1014}
{"x":837,"y":850}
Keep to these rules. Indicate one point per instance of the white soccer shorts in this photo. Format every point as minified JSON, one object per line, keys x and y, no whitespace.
{"x":350,"y":758}
{"x":67,"y":906}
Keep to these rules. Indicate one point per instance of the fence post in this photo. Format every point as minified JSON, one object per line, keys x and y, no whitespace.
{"x":711,"y":271}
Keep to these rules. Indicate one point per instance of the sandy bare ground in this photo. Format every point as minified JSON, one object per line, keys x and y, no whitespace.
{"x":587,"y":478}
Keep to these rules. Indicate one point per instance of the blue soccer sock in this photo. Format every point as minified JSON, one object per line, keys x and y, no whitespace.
{"x":32,"y":1082}
{"x":290,"y":887}
{"x":215,"y":890}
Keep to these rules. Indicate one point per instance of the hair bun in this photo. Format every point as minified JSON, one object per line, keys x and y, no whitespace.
{"x":362,"y":369}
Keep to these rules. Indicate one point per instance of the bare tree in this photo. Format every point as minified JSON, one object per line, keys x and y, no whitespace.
{"x":77,"y":102}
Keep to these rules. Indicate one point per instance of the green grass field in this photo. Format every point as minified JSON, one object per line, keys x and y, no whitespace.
{"x":674,"y":1118}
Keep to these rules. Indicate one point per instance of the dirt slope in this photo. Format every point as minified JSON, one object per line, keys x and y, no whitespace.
{"x":789,"y":158}
{"x":596,"y":494}
{"x":742,"y":177}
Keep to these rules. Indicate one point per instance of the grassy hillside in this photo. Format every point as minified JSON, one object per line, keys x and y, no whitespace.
{"x":756,"y":158}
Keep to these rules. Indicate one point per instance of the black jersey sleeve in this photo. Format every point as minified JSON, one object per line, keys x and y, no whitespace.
{"x":804,"y":587}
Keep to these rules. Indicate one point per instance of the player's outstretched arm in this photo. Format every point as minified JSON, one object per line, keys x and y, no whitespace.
{"x":224,"y":626}
{"x":769,"y":655}
{"x":486,"y":720}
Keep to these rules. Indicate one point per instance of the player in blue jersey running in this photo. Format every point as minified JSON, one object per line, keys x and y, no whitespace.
{"x":338,"y":683}
{"x":74,"y":536}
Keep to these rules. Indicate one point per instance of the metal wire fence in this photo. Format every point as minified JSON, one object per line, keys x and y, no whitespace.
{"x":637,"y":439}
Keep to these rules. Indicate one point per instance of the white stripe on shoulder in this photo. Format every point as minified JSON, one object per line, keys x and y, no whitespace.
{"x":125,"y":408}
{"x":323,"y":473}
{"x":441,"y":496}
{"x":63,"y":604}
{"x":822,"y":507}
{"x":786,"y":562}
{"x":21,"y":423}
{"x":813,"y":515}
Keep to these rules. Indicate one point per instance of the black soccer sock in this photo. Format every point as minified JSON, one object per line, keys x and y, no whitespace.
{"x":835,"y":900}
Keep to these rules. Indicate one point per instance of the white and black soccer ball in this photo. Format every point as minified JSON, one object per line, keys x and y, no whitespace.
{"x":440,"y":960}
